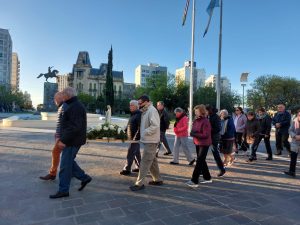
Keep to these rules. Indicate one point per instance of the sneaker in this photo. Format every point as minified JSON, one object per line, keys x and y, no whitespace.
{"x":221,"y":173}
{"x":156,"y":183}
{"x":192,"y":162}
{"x":289,"y":173}
{"x":174,"y":163}
{"x":136,"y":170}
{"x":206,"y":181}
{"x":191,"y":184}
{"x":125,"y":172}
{"x":137,"y":187}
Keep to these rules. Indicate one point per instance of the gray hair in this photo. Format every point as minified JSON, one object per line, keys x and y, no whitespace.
{"x":178,"y":109}
{"x":224,"y":111}
{"x":69,"y":92}
{"x":134,"y":102}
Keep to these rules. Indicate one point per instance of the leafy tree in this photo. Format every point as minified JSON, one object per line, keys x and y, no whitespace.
{"x":88,"y":101}
{"x":109,"y":86}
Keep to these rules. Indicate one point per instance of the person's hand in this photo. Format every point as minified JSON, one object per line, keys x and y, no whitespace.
{"x":61,"y":145}
{"x":56,"y":139}
{"x":277,"y":125}
{"x":297,"y":137}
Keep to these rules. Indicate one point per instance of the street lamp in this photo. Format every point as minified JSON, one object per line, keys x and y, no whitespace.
{"x":244,"y":80}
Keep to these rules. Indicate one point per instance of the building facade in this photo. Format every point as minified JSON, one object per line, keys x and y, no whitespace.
{"x":128,"y":90}
{"x":62,"y":81}
{"x":86,"y":79}
{"x":15,"y":72}
{"x":142,"y":72}
{"x":183,"y":75}
{"x":5,"y":57}
{"x":225,"y":83}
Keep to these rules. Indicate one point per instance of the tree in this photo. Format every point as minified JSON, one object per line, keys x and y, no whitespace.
{"x":109,"y":86}
{"x":88,"y":101}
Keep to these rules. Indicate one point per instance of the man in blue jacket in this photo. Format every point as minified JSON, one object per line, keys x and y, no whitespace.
{"x":282,"y":122}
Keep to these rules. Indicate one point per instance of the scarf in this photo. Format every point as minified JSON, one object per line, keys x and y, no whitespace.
{"x":145,"y":108}
{"x":224,"y":126}
{"x":261,"y":117}
{"x":179,"y":118}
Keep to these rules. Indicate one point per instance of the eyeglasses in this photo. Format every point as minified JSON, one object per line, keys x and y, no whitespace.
{"x":237,"y":110}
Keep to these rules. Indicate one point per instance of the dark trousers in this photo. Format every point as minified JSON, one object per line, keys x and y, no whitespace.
{"x":256,"y":144}
{"x":164,"y":142}
{"x":282,"y":140}
{"x":293,"y":162}
{"x":133,"y":154}
{"x":201,"y":165}
{"x":239,"y":140}
{"x":69,"y":168}
{"x":216,"y":153}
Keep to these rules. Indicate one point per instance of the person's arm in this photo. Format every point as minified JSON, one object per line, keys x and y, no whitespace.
{"x":286,"y":120}
{"x":292,"y":130}
{"x":154,"y":122}
{"x":166,"y":119}
{"x":185,"y":125}
{"x":268,"y":125}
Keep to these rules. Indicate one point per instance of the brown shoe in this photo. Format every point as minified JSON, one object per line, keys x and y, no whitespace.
{"x":156,"y":183}
{"x":48,"y":177}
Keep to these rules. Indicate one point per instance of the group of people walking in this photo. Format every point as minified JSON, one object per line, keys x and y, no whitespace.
{"x":221,"y":133}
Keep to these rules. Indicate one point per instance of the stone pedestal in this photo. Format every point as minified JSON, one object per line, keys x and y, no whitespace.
{"x":49,"y":91}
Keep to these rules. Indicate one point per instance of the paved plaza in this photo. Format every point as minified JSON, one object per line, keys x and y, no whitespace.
{"x":256,"y":193}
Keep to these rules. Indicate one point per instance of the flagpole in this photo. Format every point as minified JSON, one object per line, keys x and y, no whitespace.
{"x":218,"y":83}
{"x":192,"y":67}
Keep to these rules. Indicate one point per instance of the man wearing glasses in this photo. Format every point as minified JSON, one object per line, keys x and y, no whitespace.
{"x":282,"y":122}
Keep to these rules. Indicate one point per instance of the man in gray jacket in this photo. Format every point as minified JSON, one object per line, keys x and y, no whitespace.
{"x":150,"y":137}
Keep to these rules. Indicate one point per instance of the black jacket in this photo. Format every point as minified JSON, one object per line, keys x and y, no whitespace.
{"x":285,"y":121}
{"x":252,"y":128}
{"x":73,"y":124}
{"x":133,"y":126}
{"x":215,"y":123}
{"x":265,"y":125}
{"x":164,"y":120}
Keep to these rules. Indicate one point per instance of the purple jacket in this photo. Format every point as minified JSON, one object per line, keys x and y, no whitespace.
{"x":240,"y":124}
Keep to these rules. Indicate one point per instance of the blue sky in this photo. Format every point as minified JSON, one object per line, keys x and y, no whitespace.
{"x":259,"y":36}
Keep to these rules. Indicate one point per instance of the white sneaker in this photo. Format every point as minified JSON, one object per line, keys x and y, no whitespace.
{"x":191,"y":184}
{"x":206,"y":181}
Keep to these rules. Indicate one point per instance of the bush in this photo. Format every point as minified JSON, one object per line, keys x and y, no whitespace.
{"x":106,"y":130}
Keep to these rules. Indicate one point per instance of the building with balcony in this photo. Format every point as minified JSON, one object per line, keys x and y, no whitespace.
{"x":142,"y":72}
{"x":5,"y":57}
{"x":15,"y":72}
{"x":225,"y":83}
{"x":62,"y":81}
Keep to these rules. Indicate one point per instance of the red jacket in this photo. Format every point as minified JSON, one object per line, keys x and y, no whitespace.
{"x":201,"y":131}
{"x":181,"y":128}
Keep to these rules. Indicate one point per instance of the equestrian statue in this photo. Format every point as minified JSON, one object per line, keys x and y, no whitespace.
{"x":50,"y":73}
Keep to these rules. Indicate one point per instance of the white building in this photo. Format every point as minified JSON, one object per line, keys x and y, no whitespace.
{"x":5,"y":57}
{"x":225,"y":83}
{"x":15,"y":72}
{"x":183,"y":74}
{"x":62,"y":81}
{"x":142,"y":72}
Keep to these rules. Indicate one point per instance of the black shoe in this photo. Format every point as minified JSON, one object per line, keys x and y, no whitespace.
{"x":156,"y":183}
{"x":59,"y":195}
{"x":278,"y":153}
{"x":269,"y":158}
{"x":251,"y":159}
{"x":221,"y":173}
{"x":192,"y":162}
{"x":168,"y":153}
{"x":48,"y":177}
{"x":289,"y":173}
{"x":156,"y":155}
{"x":84,"y":183}
{"x":174,"y":163}
{"x":137,"y":187}
{"x":136,"y":170}
{"x":125,"y":172}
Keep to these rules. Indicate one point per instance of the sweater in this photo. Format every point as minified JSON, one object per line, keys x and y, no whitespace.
{"x":201,"y":131}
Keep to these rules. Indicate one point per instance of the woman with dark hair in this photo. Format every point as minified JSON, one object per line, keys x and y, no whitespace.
{"x":240,"y":120}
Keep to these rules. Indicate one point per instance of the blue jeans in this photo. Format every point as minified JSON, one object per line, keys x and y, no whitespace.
{"x":69,"y":168}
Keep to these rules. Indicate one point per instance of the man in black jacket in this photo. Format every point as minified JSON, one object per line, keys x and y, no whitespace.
{"x":215,"y":123}
{"x":265,"y":122}
{"x":73,"y":136}
{"x":133,"y":134}
{"x":164,"y":125}
{"x":282,"y":122}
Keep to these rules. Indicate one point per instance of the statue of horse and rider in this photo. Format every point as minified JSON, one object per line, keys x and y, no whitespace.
{"x":50,"y":73}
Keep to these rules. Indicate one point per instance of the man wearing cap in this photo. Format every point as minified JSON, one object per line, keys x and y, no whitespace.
{"x":150,"y":137}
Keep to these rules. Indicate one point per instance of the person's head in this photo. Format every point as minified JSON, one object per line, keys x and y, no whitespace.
{"x":68,"y":93}
{"x":133,"y":105}
{"x":281,"y":107}
{"x":239,"y":110}
{"x":223,"y":113}
{"x":143,"y":100}
{"x":160,"y":105}
{"x":58,"y":98}
{"x":200,"y":110}
{"x":210,"y":109}
{"x":261,"y":111}
{"x":250,"y":115}
{"x":178,"y":112}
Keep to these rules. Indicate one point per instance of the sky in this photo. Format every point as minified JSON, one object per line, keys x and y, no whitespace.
{"x":259,"y":36}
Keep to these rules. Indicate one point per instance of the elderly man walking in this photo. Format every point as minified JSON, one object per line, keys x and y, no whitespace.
{"x":73,"y":136}
{"x":150,"y":137}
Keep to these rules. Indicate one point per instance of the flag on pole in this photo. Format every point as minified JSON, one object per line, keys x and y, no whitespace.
{"x":209,"y":10}
{"x":185,"y":11}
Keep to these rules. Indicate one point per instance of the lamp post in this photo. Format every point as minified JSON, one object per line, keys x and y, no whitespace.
{"x":244,"y":80}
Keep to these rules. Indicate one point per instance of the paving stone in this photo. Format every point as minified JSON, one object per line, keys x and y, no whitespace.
{"x":112,"y":213}
{"x":159,"y":213}
{"x":64,"y":212}
{"x":183,"y":219}
{"x":72,"y":202}
{"x":89,"y":217}
{"x":96,"y":206}
{"x":133,"y":219}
